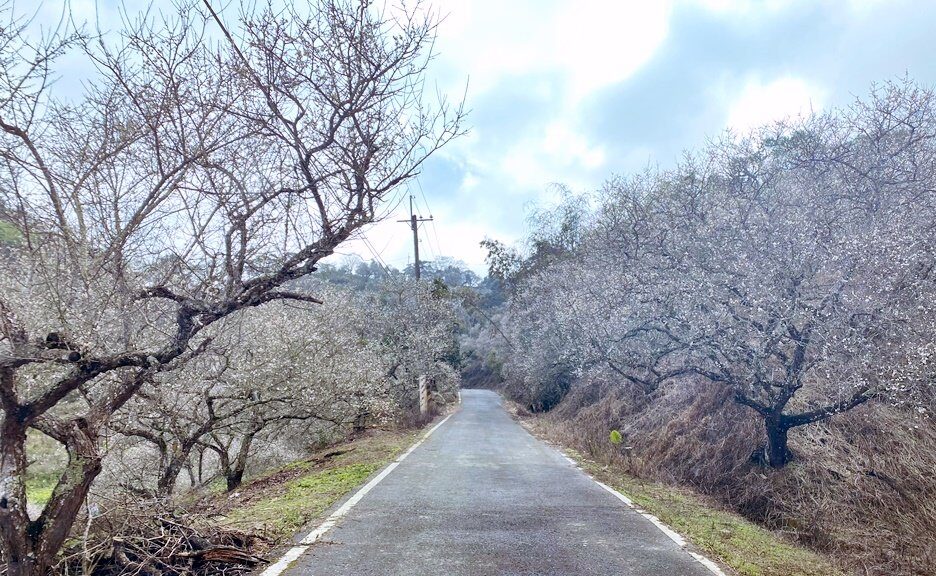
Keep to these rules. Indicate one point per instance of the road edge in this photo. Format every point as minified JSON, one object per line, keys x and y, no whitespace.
{"x":680,"y":540}
{"x":676,"y":537}
{"x":293,"y":553}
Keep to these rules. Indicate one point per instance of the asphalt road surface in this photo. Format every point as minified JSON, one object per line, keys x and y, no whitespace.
{"x":481,"y":496}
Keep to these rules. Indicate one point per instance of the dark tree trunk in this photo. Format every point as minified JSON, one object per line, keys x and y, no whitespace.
{"x":84,"y":465}
{"x":14,"y":521}
{"x":777,"y":451}
{"x":235,"y":474}
{"x":30,"y":545}
{"x":201,"y":462}
{"x":167,"y":479}
{"x":360,"y":422}
{"x":224,"y":459}
{"x":190,"y":470}
{"x":234,"y":479}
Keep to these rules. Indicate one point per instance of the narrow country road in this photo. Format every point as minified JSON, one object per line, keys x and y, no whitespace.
{"x":481,"y":496}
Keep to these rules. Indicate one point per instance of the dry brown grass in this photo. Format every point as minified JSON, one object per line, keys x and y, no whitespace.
{"x":862,"y":486}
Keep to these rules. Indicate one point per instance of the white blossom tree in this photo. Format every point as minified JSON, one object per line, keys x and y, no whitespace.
{"x":415,"y":327}
{"x":264,"y":372}
{"x":192,"y":180}
{"x":794,"y":266}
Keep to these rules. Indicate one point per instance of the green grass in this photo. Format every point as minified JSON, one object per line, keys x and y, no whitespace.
{"x":303,"y":500}
{"x":47,"y":461}
{"x":39,"y":487}
{"x":745,"y":547}
{"x":284,"y":500}
{"x":8,"y":233}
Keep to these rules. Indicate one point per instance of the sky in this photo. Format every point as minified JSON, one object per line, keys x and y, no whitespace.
{"x":572,"y":92}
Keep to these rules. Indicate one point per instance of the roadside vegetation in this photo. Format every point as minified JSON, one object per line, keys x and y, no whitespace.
{"x":756,"y":323}
{"x":280,"y":502}
{"x":210,"y":530}
{"x":9,"y":235}
{"x":746,"y":548}
{"x":49,"y":461}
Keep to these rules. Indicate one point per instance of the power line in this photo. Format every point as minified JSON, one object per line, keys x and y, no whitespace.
{"x":423,"y":194}
{"x":434,"y":230}
{"x":436,"y":234}
{"x":378,"y":257}
{"x":432,"y":251}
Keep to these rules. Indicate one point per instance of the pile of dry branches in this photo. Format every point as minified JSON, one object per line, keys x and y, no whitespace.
{"x":146,"y":538}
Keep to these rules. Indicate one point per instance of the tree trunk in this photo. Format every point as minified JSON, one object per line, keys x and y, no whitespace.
{"x":30,"y":546}
{"x":191,"y":472}
{"x":360,"y":422}
{"x":201,"y":467}
{"x":26,"y":566}
{"x":235,"y":474}
{"x":167,"y":479}
{"x":777,"y":451}
{"x":234,"y":479}
{"x":69,"y":495}
{"x":14,"y":520}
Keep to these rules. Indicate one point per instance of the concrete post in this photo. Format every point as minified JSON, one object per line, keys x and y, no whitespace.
{"x":423,"y":396}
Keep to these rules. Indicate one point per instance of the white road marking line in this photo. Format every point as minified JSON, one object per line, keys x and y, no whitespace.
{"x":665,"y":529}
{"x":670,"y":533}
{"x":296,"y":551}
{"x":288,"y":558}
{"x":713,"y":567}
{"x":616,"y":494}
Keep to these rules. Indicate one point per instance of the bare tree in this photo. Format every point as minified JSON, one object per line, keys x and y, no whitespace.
{"x":194,"y":179}
{"x":787,"y":287}
{"x":794,"y":266}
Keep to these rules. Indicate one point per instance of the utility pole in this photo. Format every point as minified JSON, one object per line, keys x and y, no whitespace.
{"x":421,"y":380}
{"x":414,"y":224}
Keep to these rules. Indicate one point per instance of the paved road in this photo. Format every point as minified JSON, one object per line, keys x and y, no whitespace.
{"x":481,"y":496}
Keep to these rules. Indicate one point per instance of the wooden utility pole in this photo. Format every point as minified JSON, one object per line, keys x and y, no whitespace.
{"x":414,"y":224}
{"x":421,"y":380}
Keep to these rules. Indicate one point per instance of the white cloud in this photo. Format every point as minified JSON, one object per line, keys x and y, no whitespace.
{"x":565,"y":143}
{"x":765,"y":8}
{"x":590,"y":43}
{"x":601,"y":43}
{"x":746,"y":7}
{"x":555,"y":153}
{"x":761,"y":103}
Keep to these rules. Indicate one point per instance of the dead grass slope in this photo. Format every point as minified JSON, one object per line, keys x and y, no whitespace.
{"x":862,"y":487}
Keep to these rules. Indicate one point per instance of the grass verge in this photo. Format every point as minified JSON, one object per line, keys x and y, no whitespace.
{"x":278,"y":504}
{"x":48,"y":461}
{"x":737,"y":543}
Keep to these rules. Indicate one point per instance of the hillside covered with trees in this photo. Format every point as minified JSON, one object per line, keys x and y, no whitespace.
{"x":159,"y":328}
{"x":757,"y":323}
{"x":196,"y":363}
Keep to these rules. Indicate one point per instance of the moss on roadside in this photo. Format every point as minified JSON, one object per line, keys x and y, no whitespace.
{"x":39,"y":487}
{"x":745,"y":547}
{"x":303,"y":500}
{"x":284,"y":500}
{"x":48,"y":461}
